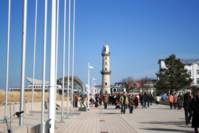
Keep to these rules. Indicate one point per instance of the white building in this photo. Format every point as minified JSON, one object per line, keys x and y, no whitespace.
{"x":192,"y":66}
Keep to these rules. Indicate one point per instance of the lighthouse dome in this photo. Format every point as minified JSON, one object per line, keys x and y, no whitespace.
{"x":106,"y":49}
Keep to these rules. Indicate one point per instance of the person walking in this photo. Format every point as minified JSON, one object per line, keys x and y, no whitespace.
{"x":141,"y":100}
{"x":123,"y":102}
{"x":151,"y":98}
{"x":145,"y":100}
{"x":187,"y":108}
{"x":131,"y":103}
{"x":105,"y":100}
{"x":96,"y":100}
{"x":170,"y":101}
{"x":195,"y":109}
{"x":180,"y":101}
{"x":136,"y":101}
{"x":175,"y":100}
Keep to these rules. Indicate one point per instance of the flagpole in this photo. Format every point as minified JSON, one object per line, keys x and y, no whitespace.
{"x":88,"y":86}
{"x":52,"y":89}
{"x":8,"y":59}
{"x":34,"y":54}
{"x":73,"y":49}
{"x":64,"y":64}
{"x":69,"y":25}
{"x":57,"y":41}
{"x":23,"y":64}
{"x":44,"y":67}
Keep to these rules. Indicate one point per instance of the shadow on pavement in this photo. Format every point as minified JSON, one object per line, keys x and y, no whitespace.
{"x":168,"y":130}
{"x":109,"y":113}
{"x":177,"y":123}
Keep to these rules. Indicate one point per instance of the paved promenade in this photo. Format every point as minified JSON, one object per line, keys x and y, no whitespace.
{"x":156,"y":119}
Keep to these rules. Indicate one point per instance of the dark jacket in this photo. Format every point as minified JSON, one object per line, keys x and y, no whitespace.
{"x":187,"y":101}
{"x":195,"y":109}
{"x":131,"y":101}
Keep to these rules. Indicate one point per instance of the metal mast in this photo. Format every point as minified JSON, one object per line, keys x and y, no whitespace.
{"x":44,"y":68}
{"x":52,"y":89}
{"x":23,"y":64}
{"x":34,"y":54}
{"x":64,"y":63}
{"x":69,"y":25}
{"x":8,"y":59}
{"x":73,"y":48}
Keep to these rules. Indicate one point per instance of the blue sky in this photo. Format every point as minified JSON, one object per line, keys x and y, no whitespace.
{"x":139,"y":33}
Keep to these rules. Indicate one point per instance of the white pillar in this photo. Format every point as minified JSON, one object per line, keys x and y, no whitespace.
{"x":8,"y":59}
{"x":23,"y":64}
{"x":52,"y":89}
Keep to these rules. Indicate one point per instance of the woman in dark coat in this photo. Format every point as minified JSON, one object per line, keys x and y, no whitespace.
{"x":136,"y":101}
{"x":195,"y":109}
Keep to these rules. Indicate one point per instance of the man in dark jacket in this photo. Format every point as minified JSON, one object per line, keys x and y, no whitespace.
{"x":195,"y":109}
{"x":131,"y":103}
{"x":187,"y":108}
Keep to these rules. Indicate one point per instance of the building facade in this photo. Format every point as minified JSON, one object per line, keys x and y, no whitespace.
{"x":192,"y":67}
{"x":106,"y":70}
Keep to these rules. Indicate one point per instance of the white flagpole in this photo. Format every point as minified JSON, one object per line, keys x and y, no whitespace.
{"x":64,"y":63}
{"x":8,"y":58}
{"x":73,"y":49}
{"x":69,"y":24}
{"x":34,"y":54}
{"x":23,"y":64}
{"x":44,"y":67}
{"x":57,"y":41}
{"x":88,"y":89}
{"x":52,"y":89}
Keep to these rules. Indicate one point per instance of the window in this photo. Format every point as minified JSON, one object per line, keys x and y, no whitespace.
{"x":105,"y":83}
{"x":198,"y":72}
{"x":106,"y":63}
{"x":105,"y":69}
{"x":198,"y":81}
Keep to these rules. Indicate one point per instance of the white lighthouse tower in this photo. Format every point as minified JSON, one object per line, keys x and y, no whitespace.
{"x":106,"y":69}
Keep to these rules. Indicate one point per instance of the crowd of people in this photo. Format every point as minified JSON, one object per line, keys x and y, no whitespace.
{"x":124,"y":101}
{"x":190,"y":103}
{"x":121,"y":101}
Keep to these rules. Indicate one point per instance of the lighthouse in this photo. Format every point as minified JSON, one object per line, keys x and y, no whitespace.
{"x":106,"y":69}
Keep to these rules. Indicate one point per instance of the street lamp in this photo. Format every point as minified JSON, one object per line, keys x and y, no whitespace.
{"x":88,"y":87}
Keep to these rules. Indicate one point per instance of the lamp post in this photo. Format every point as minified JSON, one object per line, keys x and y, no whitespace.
{"x":88,"y":89}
